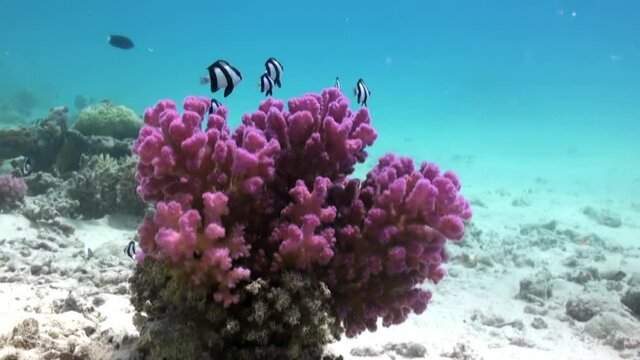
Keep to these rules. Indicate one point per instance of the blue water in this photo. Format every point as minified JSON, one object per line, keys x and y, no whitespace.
{"x":528,"y":86}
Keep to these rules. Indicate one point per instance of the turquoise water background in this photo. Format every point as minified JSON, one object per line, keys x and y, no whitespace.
{"x":503,"y":92}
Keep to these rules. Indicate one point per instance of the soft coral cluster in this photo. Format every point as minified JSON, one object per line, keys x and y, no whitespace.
{"x":318,"y":135}
{"x":391,"y":239}
{"x":197,"y":176}
{"x":12,"y":191}
{"x":275,"y":195}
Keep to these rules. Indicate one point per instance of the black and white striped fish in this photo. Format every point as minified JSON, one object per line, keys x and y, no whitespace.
{"x":362,"y":92}
{"x":274,"y":70}
{"x":26,"y":167}
{"x":130,"y":249}
{"x":338,"y":83}
{"x":223,"y":75}
{"x":266,"y":84}
{"x":215,"y":105}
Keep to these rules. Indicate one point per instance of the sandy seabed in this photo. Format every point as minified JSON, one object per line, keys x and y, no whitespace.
{"x":541,"y":274}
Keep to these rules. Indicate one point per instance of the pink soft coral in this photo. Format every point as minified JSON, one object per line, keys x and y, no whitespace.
{"x":12,"y":191}
{"x":392,"y":239}
{"x":275,"y":195}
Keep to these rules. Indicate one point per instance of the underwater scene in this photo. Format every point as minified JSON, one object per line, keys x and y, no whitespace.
{"x":416,"y":179}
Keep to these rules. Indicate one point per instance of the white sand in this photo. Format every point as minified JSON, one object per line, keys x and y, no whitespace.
{"x":492,"y":290}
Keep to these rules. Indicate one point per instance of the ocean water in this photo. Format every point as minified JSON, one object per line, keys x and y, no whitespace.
{"x":545,"y":88}
{"x":508,"y":94}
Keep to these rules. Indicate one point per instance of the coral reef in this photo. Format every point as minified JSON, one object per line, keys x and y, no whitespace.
{"x":40,"y":142}
{"x":52,"y":147}
{"x":107,"y":119}
{"x":274,"y":196}
{"x":48,"y":199}
{"x":41,"y":182}
{"x":76,"y":145}
{"x":105,"y":185}
{"x":12,"y":192}
{"x":280,"y":318}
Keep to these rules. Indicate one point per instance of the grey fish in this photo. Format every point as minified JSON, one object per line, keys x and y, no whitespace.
{"x":120,"y":41}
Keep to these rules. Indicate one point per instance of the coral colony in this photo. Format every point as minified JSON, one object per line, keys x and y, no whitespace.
{"x":275,"y":196}
{"x":12,"y":192}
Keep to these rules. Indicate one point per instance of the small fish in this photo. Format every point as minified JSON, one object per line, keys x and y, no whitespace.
{"x":274,"y":70}
{"x":121,"y":42}
{"x":215,"y":105}
{"x":130,"y":249}
{"x":223,"y":75}
{"x":338,"y":83}
{"x":266,"y":84}
{"x":26,"y":167}
{"x":362,"y":92}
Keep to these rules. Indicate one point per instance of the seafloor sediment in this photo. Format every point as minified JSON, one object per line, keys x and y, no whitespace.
{"x":537,"y":276}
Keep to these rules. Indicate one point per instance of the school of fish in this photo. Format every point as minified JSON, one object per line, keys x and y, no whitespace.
{"x":223,"y":75}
